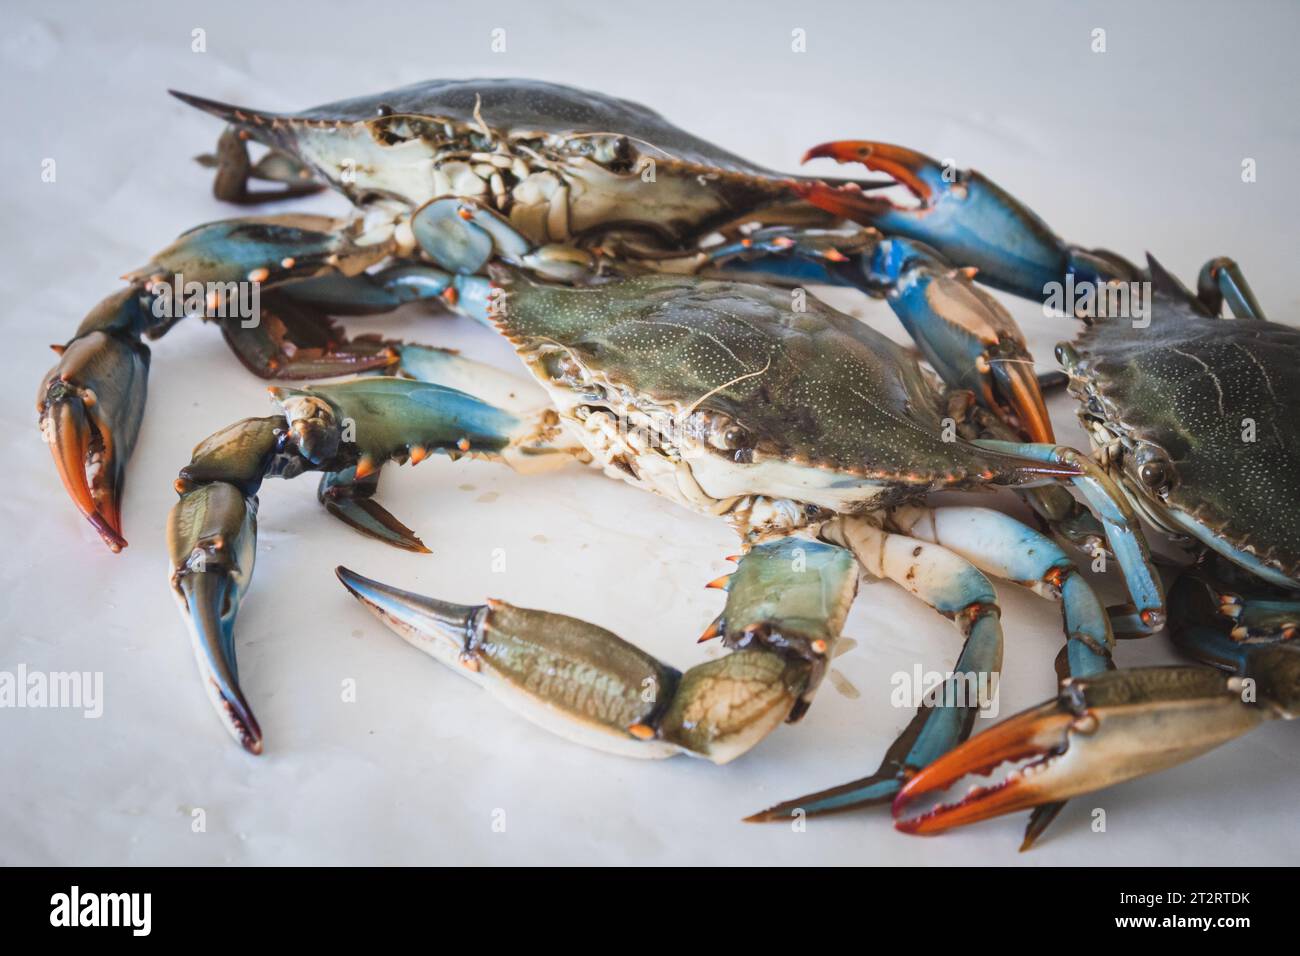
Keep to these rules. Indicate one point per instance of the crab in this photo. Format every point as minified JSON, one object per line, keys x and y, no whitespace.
{"x":816,"y":438}
{"x":445,"y":177}
{"x":1196,"y":417}
{"x":607,"y":245}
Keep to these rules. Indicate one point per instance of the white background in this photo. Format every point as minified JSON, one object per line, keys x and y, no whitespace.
{"x":1137,"y":148}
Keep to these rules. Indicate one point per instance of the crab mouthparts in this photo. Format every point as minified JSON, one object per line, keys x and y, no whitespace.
{"x":1020,"y":751}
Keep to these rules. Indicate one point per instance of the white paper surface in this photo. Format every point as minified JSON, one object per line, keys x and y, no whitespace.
{"x":1136,"y":148}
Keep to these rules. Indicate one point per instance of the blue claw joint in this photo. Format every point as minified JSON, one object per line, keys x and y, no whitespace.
{"x":969,"y":219}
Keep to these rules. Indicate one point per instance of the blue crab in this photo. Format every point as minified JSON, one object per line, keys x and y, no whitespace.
{"x":445,"y":177}
{"x":1196,"y":417}
{"x":815,"y":437}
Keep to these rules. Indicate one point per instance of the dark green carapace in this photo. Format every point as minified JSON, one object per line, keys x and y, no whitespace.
{"x":1221,"y":397}
{"x":807,"y":385}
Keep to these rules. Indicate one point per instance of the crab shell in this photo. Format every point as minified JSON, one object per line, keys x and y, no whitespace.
{"x":724,"y":397}
{"x":559,"y":162}
{"x":1215,"y":405}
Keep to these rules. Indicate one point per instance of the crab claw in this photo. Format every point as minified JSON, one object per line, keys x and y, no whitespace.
{"x":965,"y":333}
{"x":969,"y":219}
{"x":90,"y":407}
{"x":1016,"y":385}
{"x":1099,"y":731}
{"x":212,"y":537}
{"x":921,"y":175}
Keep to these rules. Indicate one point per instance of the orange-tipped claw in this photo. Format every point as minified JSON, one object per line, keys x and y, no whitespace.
{"x":1100,"y":730}
{"x":919,"y":174}
{"x":74,"y":444}
{"x":1038,"y":733}
{"x":907,"y":166}
{"x":90,"y":408}
{"x":1018,"y":383}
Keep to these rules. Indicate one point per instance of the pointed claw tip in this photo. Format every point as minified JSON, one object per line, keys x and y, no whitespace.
{"x":72,"y":439}
{"x":840,"y":150}
{"x":347,"y":577}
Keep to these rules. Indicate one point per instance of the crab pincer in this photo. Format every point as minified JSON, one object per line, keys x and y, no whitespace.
{"x":968,"y":218}
{"x":963,"y":332}
{"x":90,"y":406}
{"x":212,"y":537}
{"x":1098,"y":731}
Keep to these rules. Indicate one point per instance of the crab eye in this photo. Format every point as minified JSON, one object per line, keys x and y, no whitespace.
{"x":726,"y":435}
{"x":1157,"y":474}
{"x":1154,"y":474}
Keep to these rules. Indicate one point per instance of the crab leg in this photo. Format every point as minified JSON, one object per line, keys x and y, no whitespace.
{"x":346,"y":430}
{"x":235,"y":169}
{"x":1111,"y":727}
{"x":1117,"y":517}
{"x":1216,"y":599}
{"x":969,"y":219}
{"x":786,"y":604}
{"x":973,"y":222}
{"x":1001,"y":546}
{"x":1101,"y":731}
{"x":998,"y":545}
{"x":959,"y":591}
{"x":1221,"y":280}
{"x":91,"y":403}
{"x":351,"y":498}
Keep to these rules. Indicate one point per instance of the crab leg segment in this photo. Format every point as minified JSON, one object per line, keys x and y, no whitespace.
{"x":1005,"y":548}
{"x":785,"y":606}
{"x":969,"y":219}
{"x":1221,"y":280}
{"x":366,"y":422}
{"x":964,"y":333}
{"x":348,"y":431}
{"x":211,"y":539}
{"x":1117,"y":517}
{"x":957,"y":590}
